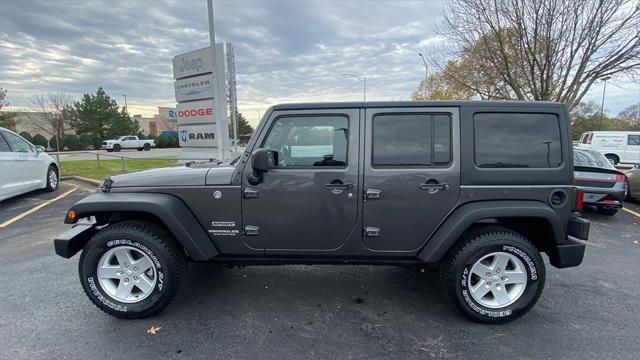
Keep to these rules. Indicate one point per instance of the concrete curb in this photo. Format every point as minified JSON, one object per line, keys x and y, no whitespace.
{"x":91,"y":182}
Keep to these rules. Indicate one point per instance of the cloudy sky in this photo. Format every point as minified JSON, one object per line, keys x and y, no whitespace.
{"x":286,"y":51}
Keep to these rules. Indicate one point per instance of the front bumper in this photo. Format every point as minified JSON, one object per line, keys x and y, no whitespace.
{"x":73,"y":240}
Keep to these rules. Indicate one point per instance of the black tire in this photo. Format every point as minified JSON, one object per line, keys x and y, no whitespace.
{"x":153,"y":240}
{"x":147,"y":147}
{"x":476,"y":244}
{"x":109,"y":150}
{"x":609,"y":212}
{"x":627,"y":195}
{"x":613,"y":158}
{"x":52,"y":184}
{"x":117,"y":148}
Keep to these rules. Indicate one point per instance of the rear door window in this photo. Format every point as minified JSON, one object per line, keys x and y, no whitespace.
{"x":517,"y":140}
{"x":411,"y":140}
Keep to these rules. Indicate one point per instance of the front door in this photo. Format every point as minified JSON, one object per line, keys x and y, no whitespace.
{"x":411,"y":175}
{"x":308,"y":199}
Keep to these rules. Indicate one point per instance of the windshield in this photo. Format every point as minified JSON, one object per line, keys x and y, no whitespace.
{"x":590,"y":159}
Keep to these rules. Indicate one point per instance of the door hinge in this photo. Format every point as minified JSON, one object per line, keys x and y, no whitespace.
{"x":251,"y":230}
{"x":370,"y":231}
{"x":250,"y":193}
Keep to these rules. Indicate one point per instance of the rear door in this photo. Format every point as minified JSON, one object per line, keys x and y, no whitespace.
{"x":411,"y":175}
{"x":10,"y":180}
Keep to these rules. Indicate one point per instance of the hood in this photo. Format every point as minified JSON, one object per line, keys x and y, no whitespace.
{"x":175,"y":176}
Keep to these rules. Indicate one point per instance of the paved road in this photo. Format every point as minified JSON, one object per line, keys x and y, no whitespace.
{"x":311,"y":312}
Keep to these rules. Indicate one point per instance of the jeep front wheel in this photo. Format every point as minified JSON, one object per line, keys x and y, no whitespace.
{"x":131,"y":269}
{"x":494,"y":276}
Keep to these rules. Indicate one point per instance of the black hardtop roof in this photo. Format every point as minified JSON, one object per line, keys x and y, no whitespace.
{"x":434,"y":103}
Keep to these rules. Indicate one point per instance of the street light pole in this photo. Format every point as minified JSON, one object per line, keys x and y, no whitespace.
{"x":364,"y":84}
{"x":125,"y":103}
{"x":426,"y":68}
{"x":604,"y":91}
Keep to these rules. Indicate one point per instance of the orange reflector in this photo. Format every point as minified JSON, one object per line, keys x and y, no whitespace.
{"x":71,"y":215}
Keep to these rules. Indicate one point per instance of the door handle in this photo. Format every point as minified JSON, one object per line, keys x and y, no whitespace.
{"x":250,"y":193}
{"x":433,"y":186}
{"x":372,"y":194}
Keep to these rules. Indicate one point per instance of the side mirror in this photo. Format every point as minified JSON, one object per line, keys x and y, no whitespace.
{"x":39,"y":149}
{"x":261,"y":160}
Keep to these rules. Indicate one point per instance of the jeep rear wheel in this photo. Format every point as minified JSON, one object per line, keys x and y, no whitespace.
{"x":494,"y":276}
{"x":131,"y":269}
{"x":147,"y":147}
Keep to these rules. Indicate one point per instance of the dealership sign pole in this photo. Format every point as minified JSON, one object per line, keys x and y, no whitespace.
{"x":216,"y":92}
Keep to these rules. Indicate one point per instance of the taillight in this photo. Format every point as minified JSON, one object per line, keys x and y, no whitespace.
{"x":579,"y":200}
{"x":620,"y":178}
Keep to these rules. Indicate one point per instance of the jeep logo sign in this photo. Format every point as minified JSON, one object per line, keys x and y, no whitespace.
{"x":198,"y":135}
{"x":192,"y":63}
{"x":196,"y":112}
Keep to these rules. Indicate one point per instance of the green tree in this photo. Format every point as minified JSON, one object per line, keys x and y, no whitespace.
{"x":244,"y":128}
{"x":40,"y":140}
{"x":72,"y":142}
{"x":162,"y":141}
{"x":99,"y":116}
{"x":26,"y":136}
{"x":84,"y":141}
{"x":56,"y":142}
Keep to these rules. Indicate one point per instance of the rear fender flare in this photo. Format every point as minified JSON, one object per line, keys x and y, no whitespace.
{"x":466,"y":215}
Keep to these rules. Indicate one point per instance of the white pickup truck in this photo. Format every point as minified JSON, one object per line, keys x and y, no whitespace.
{"x":127,"y":142}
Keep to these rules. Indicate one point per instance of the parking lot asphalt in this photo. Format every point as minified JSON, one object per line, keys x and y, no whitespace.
{"x":310,"y":312}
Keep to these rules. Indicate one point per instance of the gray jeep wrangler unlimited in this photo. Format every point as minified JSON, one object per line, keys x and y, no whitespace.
{"x":476,"y":190}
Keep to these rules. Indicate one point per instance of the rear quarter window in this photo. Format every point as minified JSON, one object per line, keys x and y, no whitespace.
{"x":517,"y":140}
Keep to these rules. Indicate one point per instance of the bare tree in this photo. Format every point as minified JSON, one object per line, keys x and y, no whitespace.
{"x":542,"y":49}
{"x":3,"y":96}
{"x":50,"y":113}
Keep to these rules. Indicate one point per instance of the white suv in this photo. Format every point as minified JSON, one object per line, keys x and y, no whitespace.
{"x":24,"y":167}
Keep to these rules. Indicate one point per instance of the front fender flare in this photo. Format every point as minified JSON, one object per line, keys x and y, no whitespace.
{"x":463,"y":217}
{"x":172,"y":211}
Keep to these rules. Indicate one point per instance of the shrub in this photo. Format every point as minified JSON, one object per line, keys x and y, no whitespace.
{"x":142,"y":136}
{"x":40,"y":140}
{"x":84,"y":141}
{"x":52,"y":143}
{"x":72,"y":142}
{"x":96,"y":142}
{"x":26,"y":136}
{"x":163,"y":141}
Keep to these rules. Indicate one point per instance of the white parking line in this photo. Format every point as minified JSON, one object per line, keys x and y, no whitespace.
{"x":38,"y":207}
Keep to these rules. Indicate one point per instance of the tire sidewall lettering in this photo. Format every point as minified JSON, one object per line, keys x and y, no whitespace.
{"x":531,"y":270}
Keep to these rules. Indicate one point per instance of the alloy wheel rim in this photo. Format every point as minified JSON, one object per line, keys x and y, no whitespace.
{"x":53,"y":179}
{"x":127,"y":274}
{"x":497,"y":280}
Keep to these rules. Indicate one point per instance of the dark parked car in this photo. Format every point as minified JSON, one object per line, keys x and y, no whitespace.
{"x":603,"y":186}
{"x":633,"y":183}
{"x":476,"y":190}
